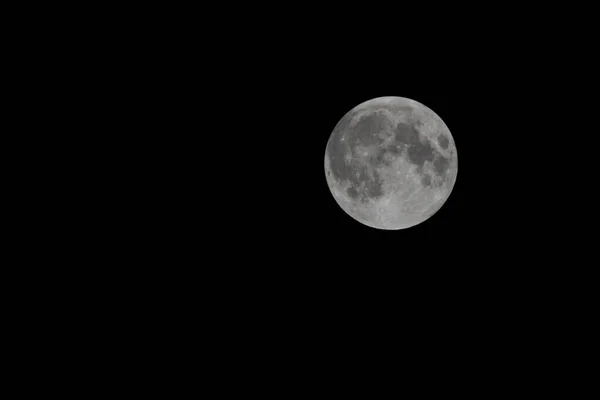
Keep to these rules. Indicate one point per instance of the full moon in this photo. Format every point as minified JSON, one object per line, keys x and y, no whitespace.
{"x":391,"y":163}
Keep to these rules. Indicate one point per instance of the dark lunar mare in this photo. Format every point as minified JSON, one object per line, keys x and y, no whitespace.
{"x":375,"y":186}
{"x":352,"y":192}
{"x":407,"y":135}
{"x":426,"y":180}
{"x":418,"y":152}
{"x":441,"y":165}
{"x":443,"y":141}
{"x":364,"y":132}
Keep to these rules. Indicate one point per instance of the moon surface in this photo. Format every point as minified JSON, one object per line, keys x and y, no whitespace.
{"x":391,"y":163}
